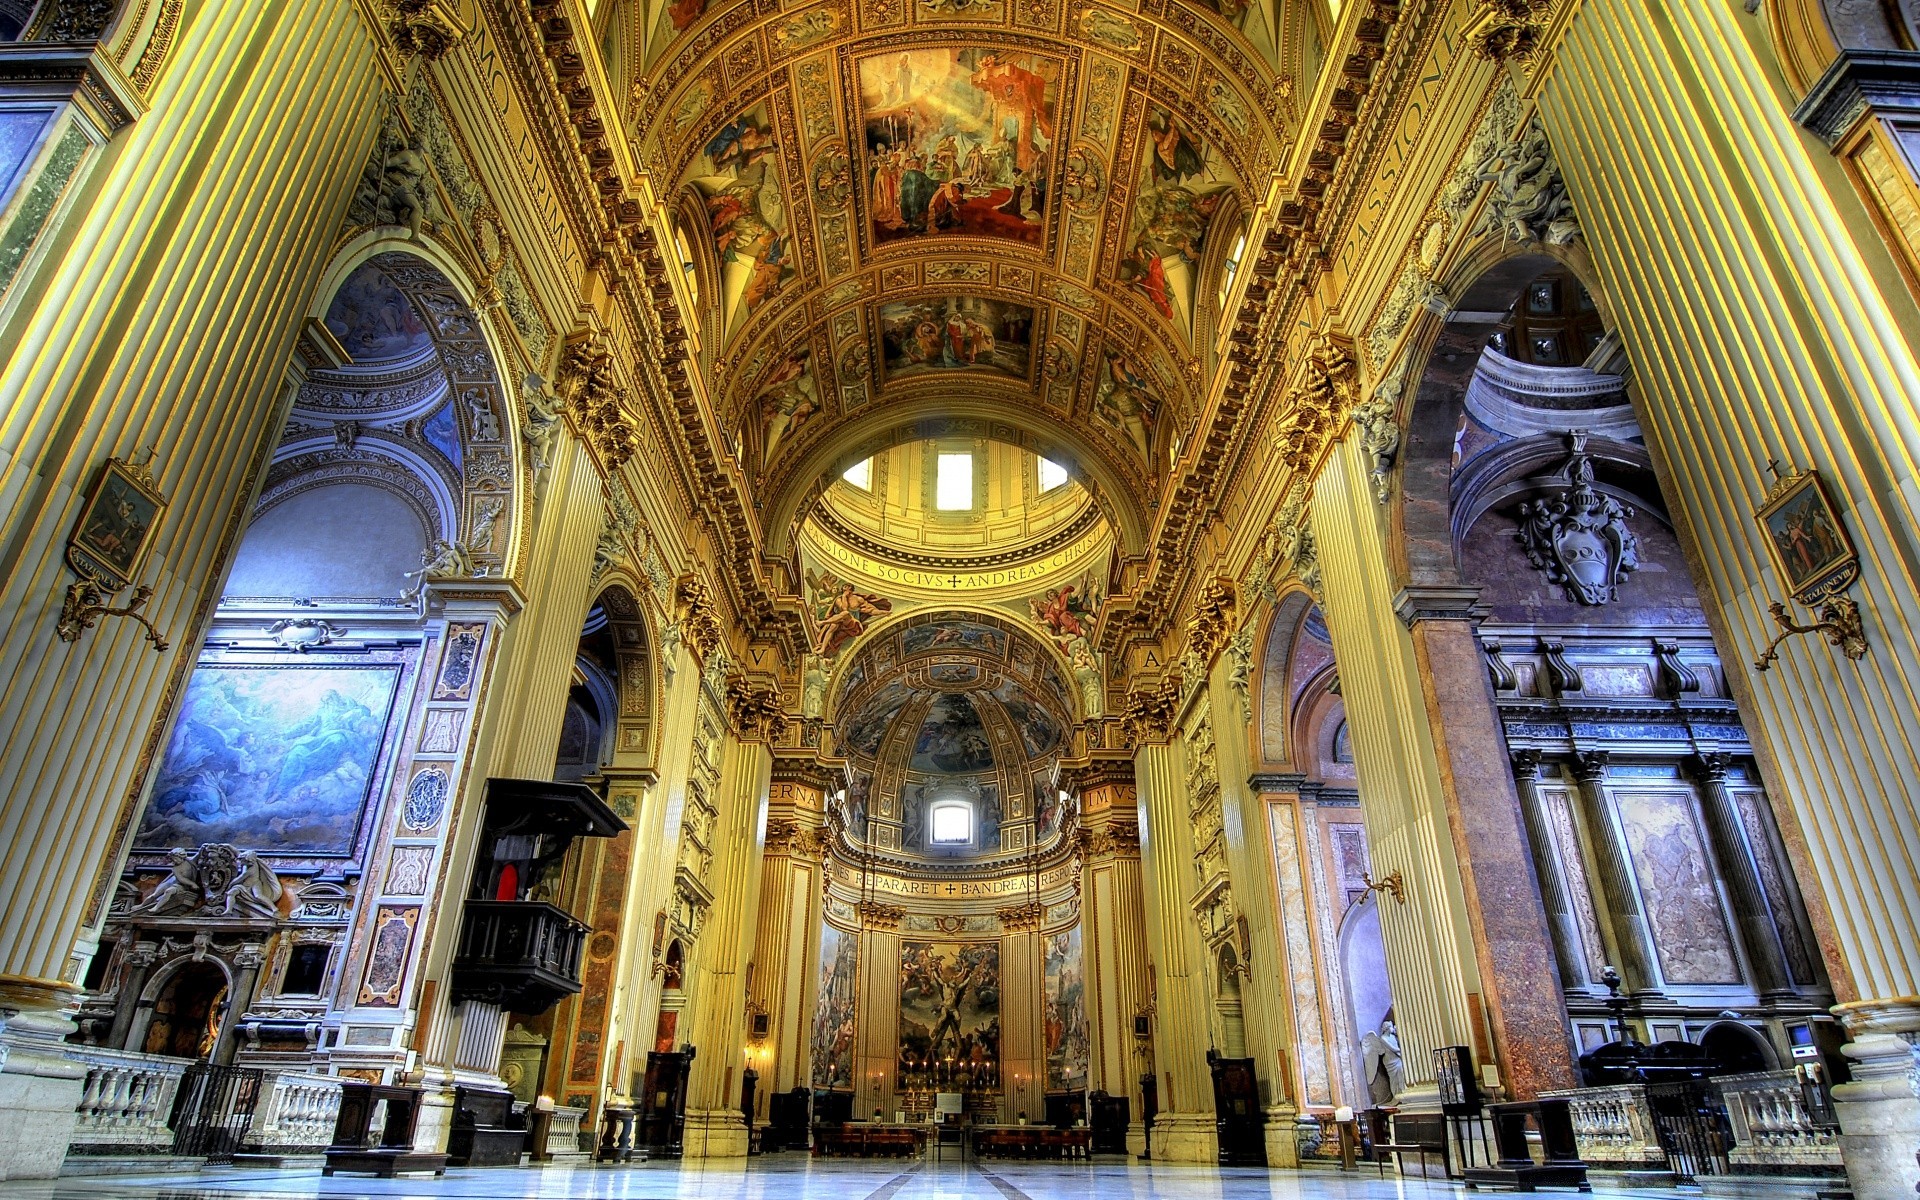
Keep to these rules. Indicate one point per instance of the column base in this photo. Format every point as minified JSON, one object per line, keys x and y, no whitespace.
{"x":1879,"y":1110}
{"x":1283,"y":1144}
{"x":1136,"y":1138}
{"x":714,"y":1133}
{"x":40,"y":1087}
{"x":1185,"y":1137}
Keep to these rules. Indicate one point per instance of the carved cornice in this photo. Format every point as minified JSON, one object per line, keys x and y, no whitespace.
{"x":1116,"y":839}
{"x":1147,"y":715}
{"x":784,"y":836}
{"x":595,"y":401}
{"x":1508,"y":30}
{"x":1315,"y":406}
{"x":1097,"y":772}
{"x":427,"y":28}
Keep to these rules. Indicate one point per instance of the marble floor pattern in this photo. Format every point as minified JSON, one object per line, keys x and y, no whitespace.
{"x":780,"y":1177}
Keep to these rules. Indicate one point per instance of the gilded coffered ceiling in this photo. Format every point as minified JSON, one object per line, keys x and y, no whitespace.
{"x":912,"y":218}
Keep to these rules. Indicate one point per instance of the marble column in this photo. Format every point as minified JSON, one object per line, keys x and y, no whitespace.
{"x":1313,"y":1063}
{"x":723,"y":955}
{"x":1266,"y":1002}
{"x":246,"y":980}
{"x":1181,"y":998}
{"x":140,"y":957}
{"x":787,"y":933}
{"x":876,"y":1060}
{"x":1632,"y":937}
{"x":1561,"y":922}
{"x":1760,"y":927}
{"x":1432,"y":960}
{"x":1520,"y":989}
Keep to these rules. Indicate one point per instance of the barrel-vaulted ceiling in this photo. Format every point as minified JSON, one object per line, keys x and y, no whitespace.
{"x":1005,"y":218}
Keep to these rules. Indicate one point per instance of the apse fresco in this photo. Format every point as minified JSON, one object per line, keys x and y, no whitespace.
{"x":738,"y":181}
{"x":1050,"y":809}
{"x":1063,"y":1013}
{"x":1182,"y":183}
{"x":958,"y":142}
{"x":950,"y":1003}
{"x":958,"y":635}
{"x":956,"y":333}
{"x":673,"y":18}
{"x":833,"y":1010}
{"x":277,"y":759}
{"x":952,"y":740}
{"x":373,"y":320}
{"x":1039,"y":731}
{"x":1253,"y":19}
{"x":863,"y":732}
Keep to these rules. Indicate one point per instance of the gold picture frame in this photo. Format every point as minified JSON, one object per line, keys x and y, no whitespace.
{"x":1809,"y":544}
{"x":115,"y":530}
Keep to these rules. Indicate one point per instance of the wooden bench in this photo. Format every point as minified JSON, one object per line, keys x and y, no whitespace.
{"x":1390,"y":1135}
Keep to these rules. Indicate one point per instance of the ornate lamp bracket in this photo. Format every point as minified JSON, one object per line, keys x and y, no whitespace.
{"x":1839,"y":623}
{"x":1391,"y":883}
{"x":86,"y":603}
{"x":108,"y":546}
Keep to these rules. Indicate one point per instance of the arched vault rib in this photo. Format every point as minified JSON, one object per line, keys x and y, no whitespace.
{"x":789,"y":497}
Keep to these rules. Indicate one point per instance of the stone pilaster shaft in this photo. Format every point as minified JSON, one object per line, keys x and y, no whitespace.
{"x":1760,"y":927}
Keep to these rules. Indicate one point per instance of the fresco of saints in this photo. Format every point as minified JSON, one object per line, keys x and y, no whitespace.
{"x":842,"y":612}
{"x":788,"y":401}
{"x":1124,"y":402}
{"x":744,"y":212}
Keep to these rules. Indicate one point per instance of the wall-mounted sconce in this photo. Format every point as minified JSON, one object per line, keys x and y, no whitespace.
{"x":1815,"y":559}
{"x":1390,"y":883}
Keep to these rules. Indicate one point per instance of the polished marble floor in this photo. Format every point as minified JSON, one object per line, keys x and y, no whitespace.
{"x":779,"y":1177}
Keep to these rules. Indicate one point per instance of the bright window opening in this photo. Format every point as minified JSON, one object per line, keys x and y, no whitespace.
{"x":860,"y":475}
{"x":951,"y":822}
{"x":1052,"y":474}
{"x":1232,"y":267}
{"x":953,"y":485}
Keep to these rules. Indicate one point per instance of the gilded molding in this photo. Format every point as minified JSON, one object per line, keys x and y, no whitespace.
{"x":1022,"y":918}
{"x":699,"y":623}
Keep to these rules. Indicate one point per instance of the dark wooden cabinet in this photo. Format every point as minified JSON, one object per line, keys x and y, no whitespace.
{"x":1238,"y":1118}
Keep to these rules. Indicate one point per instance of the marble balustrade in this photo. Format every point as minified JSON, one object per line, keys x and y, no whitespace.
{"x":1773,"y":1127}
{"x":1614,"y":1127}
{"x":125,"y":1102}
{"x":294,"y":1113}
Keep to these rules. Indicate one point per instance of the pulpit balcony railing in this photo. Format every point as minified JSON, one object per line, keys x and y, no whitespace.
{"x":523,"y":955}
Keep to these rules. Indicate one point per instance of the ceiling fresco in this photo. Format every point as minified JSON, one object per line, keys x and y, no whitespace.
{"x":916,"y":209}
